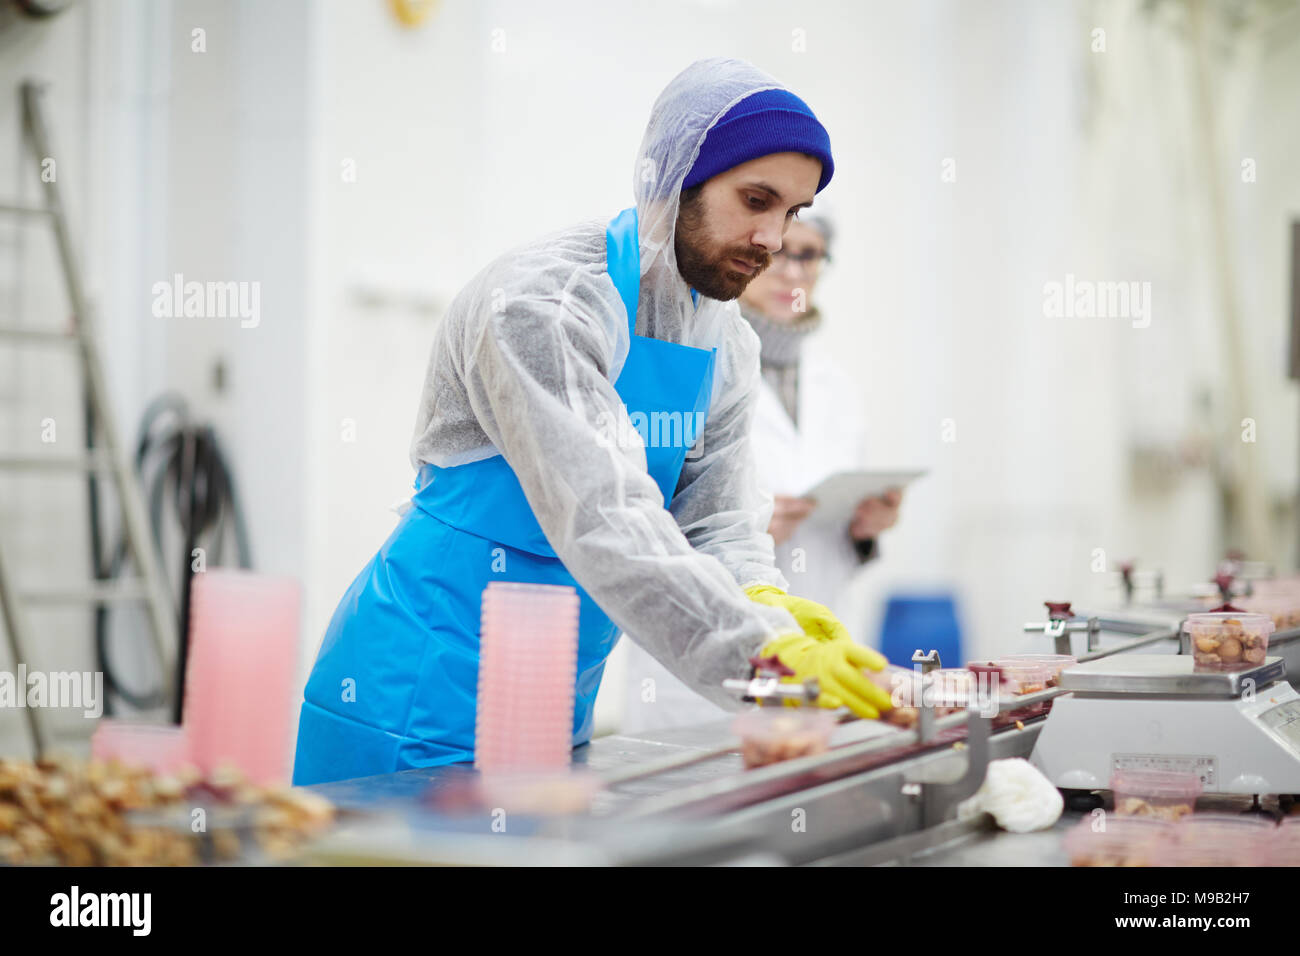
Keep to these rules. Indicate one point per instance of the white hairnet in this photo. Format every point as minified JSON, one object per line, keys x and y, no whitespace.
{"x":524,"y":364}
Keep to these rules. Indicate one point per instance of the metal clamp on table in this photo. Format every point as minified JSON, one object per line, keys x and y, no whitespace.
{"x":1060,"y":624}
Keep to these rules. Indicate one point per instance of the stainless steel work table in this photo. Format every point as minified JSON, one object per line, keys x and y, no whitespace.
{"x":845,"y":815}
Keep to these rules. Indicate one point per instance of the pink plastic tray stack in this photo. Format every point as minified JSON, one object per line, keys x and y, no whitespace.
{"x":528,"y":663}
{"x":240,"y":685}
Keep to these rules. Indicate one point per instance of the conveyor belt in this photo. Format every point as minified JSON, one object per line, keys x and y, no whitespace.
{"x":683,"y":796}
{"x":701,"y":805}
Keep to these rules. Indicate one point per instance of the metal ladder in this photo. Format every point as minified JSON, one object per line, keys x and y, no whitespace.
{"x":106,"y":459}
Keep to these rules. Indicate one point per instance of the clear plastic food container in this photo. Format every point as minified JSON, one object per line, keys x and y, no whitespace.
{"x":1023,"y":677}
{"x":1213,"y":848}
{"x":946,"y":690}
{"x":1284,"y":848}
{"x":900,"y":684}
{"x":1121,"y":841}
{"x":542,"y":794}
{"x":1158,"y":794}
{"x":985,"y":670}
{"x":1287,"y":589}
{"x":1228,"y":640}
{"x":1055,"y":663}
{"x":898,"y":681}
{"x":1213,"y":839}
{"x":1238,"y":823}
{"x":1010,"y":675}
{"x":770,"y":735}
{"x":1284,"y":612}
{"x":952,"y":689}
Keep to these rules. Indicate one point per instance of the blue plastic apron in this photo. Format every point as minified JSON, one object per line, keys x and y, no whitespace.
{"x":394,"y":685}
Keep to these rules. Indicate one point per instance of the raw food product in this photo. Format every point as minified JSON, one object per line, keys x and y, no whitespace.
{"x":770,"y":737}
{"x":944,"y":689}
{"x":1055,"y":663}
{"x":1166,"y":795}
{"x":1228,"y":641}
{"x":1024,"y":677}
{"x":72,"y":813}
{"x":1137,"y":807}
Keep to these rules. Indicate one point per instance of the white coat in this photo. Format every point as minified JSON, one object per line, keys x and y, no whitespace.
{"x":817,"y":561}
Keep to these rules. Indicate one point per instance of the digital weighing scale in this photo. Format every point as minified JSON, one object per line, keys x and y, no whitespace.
{"x":1239,"y":731}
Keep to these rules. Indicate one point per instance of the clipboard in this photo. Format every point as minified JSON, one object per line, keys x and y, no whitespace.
{"x":838,"y":495}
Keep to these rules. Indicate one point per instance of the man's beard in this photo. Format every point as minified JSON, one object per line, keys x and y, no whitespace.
{"x":704,"y":266}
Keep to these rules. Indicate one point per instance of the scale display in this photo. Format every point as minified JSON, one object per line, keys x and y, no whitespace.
{"x":1284,"y":721}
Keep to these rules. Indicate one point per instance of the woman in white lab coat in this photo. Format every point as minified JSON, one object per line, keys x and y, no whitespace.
{"x":808,"y":425}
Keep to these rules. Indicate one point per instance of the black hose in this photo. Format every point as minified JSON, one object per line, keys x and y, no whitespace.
{"x":182,"y":464}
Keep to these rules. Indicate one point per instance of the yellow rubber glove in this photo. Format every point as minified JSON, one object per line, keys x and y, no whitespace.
{"x":817,"y":620}
{"x":837,"y":665}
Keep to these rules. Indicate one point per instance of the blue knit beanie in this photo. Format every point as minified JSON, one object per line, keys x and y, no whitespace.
{"x":766,"y":122}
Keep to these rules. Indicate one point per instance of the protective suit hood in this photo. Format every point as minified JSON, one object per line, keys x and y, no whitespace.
{"x":679,"y":120}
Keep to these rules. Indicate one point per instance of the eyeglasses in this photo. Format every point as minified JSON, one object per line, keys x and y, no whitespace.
{"x":808,"y":261}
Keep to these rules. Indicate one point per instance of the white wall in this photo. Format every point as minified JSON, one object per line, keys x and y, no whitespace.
{"x":398,"y":176}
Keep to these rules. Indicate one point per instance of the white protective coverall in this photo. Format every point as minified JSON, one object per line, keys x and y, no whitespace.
{"x":819,"y":560}
{"x":533,"y":380}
